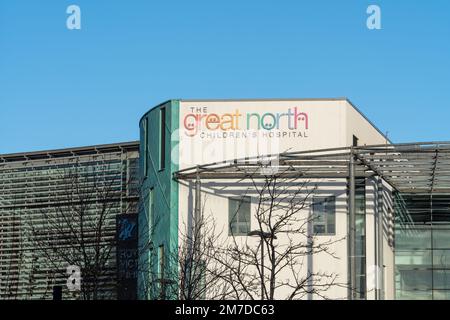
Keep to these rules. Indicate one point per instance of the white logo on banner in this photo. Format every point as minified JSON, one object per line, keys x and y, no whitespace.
{"x":74,"y":279}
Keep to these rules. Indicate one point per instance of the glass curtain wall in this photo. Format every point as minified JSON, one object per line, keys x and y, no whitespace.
{"x":360,"y":246}
{"x":360,"y":239}
{"x":422,"y":246}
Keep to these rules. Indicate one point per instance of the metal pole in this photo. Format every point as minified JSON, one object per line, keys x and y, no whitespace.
{"x":262,"y":268}
{"x":376,"y":213}
{"x":197,"y":210}
{"x":310,"y":256}
{"x":380,"y":265}
{"x":352,"y":227}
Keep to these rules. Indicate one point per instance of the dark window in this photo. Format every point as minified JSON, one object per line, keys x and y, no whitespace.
{"x":355,"y":141}
{"x":162,"y":139}
{"x":151,"y":211}
{"x":145,"y":147}
{"x":239,"y":216}
{"x":133,"y":177}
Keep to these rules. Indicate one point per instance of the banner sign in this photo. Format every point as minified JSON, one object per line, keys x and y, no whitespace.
{"x":127,"y":256}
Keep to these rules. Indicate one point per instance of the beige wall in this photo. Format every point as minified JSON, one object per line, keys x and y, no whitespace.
{"x":326,"y":129}
{"x":215,"y":205}
{"x":357,"y":125}
{"x":331,"y":124}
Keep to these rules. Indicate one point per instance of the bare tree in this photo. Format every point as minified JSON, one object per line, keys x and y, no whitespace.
{"x":78,"y":228}
{"x":187,"y":271}
{"x":9,"y":283}
{"x":197,"y":274}
{"x":277,"y":266}
{"x":208,"y":265}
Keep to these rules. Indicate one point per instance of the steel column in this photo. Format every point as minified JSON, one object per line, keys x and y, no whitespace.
{"x":352,"y":228}
{"x":379,"y":253}
{"x":197,"y":204}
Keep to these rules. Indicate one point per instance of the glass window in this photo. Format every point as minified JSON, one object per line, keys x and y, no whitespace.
{"x":414,"y":294}
{"x":360,"y":240}
{"x":324,"y":215}
{"x":441,"y":279}
{"x":239,"y":216}
{"x":161,"y":261}
{"x":133,"y":177}
{"x":145,"y":147}
{"x":441,"y":294}
{"x":355,"y":141}
{"x":441,"y":259}
{"x":151,"y":211}
{"x":418,"y":237}
{"x":414,"y":279}
{"x":441,"y":238}
{"x":422,"y":252}
{"x":414,"y":258}
{"x":162,"y":138}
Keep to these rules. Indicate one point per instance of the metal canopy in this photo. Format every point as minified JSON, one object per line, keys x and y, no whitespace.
{"x":407,"y":167}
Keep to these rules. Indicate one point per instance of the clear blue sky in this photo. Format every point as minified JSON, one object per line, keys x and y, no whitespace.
{"x":62,"y":88}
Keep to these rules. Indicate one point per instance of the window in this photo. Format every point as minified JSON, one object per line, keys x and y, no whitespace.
{"x":324,"y":215}
{"x":161,"y":261}
{"x":151,"y":211}
{"x":360,"y":241}
{"x":162,"y":138}
{"x":239,"y":216}
{"x":355,"y":141}
{"x":133,"y":177}
{"x":145,"y":147}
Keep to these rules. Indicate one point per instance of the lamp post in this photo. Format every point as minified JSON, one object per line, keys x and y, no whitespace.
{"x":262,"y":235}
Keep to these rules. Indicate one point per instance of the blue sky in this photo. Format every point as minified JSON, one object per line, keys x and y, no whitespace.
{"x":64,"y":88}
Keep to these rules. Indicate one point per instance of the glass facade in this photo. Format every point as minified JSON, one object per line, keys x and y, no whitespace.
{"x":360,"y":242}
{"x":422,"y":246}
{"x":38,"y":191}
{"x":162,"y":138}
{"x":360,"y":246}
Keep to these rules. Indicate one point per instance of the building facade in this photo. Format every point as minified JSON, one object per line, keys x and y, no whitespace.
{"x":373,"y":214}
{"x":182,"y":134}
{"x":58,"y":209}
